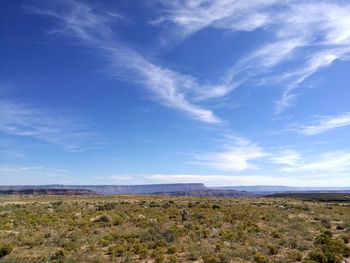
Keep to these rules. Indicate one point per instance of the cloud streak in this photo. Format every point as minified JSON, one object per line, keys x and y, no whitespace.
{"x":30,"y":175}
{"x":307,"y":36}
{"x":22,"y":120}
{"x":193,"y":16}
{"x":286,"y":157}
{"x":325,"y":124}
{"x":331,"y":162}
{"x":237,"y":155}
{"x":93,"y":29}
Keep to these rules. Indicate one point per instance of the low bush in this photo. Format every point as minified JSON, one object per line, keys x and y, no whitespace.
{"x":260,"y":258}
{"x":6,"y":249}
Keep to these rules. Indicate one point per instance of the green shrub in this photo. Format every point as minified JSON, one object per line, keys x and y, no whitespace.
{"x":69,"y":246}
{"x":193,"y":253}
{"x":184,"y":215}
{"x":345,"y":238}
{"x":317,"y":256}
{"x":117,"y":250}
{"x":158,"y":236}
{"x":154,"y":204}
{"x":273,"y":249}
{"x":117,"y":220}
{"x":224,"y":258}
{"x":323,"y":239}
{"x":59,"y":254}
{"x":260,"y":258}
{"x":158,"y":256}
{"x":190,"y":205}
{"x":171,"y":250}
{"x":139,"y":249}
{"x":295,"y":256}
{"x":333,"y":258}
{"x":106,"y":206}
{"x":6,"y":249}
{"x":173,"y":259}
{"x":326,"y":223}
{"x":347,"y":225}
{"x":210,"y":259}
{"x":329,"y":250}
{"x":102,"y":219}
{"x":166,"y":205}
{"x":57,"y":203}
{"x":275,"y":234}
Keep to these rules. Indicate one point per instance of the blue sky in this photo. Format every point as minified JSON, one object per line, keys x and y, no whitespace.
{"x":222,"y":92}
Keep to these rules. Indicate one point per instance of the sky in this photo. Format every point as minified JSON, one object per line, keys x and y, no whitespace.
{"x":222,"y":92}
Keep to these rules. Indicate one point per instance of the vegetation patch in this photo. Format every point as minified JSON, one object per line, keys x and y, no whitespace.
{"x":172,"y":229}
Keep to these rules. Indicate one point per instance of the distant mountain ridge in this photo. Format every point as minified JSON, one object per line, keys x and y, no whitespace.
{"x":47,"y":192}
{"x":178,"y":189}
{"x":115,"y":189}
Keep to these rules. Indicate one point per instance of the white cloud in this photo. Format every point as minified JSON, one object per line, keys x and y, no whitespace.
{"x":94,"y":30}
{"x":331,"y":162}
{"x":195,"y":15}
{"x":311,"y":34}
{"x":286,"y":157}
{"x":292,"y":162}
{"x":168,"y":86}
{"x":236,"y":155}
{"x":325,"y":124}
{"x":316,"y":62}
{"x":56,"y":128}
{"x":289,"y":167}
{"x":270,"y":55}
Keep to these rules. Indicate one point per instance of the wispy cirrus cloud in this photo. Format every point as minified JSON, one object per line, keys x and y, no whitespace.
{"x":93,"y":29}
{"x":193,"y":16}
{"x":316,"y":62}
{"x":311,"y":35}
{"x":306,"y":36}
{"x":336,"y":163}
{"x":331,"y":162}
{"x":29,"y":175}
{"x":325,"y":124}
{"x":286,"y":157}
{"x":71,"y":133}
{"x":237,"y":154}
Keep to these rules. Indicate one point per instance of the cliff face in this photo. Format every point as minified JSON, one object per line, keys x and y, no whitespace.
{"x":47,"y":192}
{"x":208,"y":192}
{"x":115,"y":189}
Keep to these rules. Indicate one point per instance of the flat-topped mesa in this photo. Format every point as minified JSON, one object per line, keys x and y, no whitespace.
{"x":144,"y":189}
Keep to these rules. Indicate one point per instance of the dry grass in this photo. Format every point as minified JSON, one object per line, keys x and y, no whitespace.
{"x":171,"y":229}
